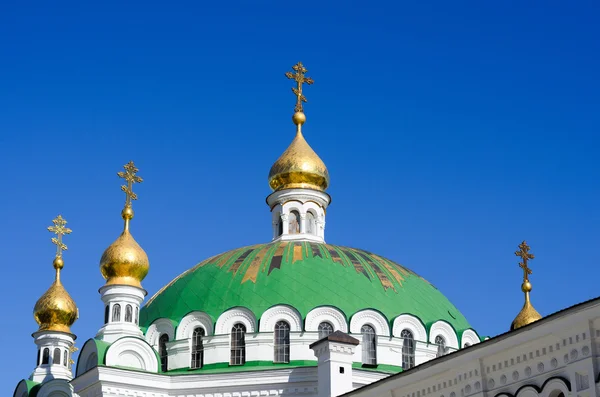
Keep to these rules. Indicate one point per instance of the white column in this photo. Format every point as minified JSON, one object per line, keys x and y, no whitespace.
{"x":122,"y":295}
{"x":302,"y":223}
{"x":334,"y":368}
{"x":60,"y":369}
{"x":286,"y":225}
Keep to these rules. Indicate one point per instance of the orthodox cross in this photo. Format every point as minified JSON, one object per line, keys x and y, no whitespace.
{"x":523,"y":252}
{"x":300,"y":79}
{"x":130,"y":176}
{"x":72,"y":350}
{"x":60,"y":230}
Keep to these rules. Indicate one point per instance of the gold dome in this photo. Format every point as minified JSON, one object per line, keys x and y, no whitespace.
{"x":124,"y":262}
{"x":299,"y":167}
{"x":56,"y":310}
{"x":527,"y":315}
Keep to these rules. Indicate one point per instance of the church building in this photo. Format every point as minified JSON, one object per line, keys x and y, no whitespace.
{"x":296,"y":316}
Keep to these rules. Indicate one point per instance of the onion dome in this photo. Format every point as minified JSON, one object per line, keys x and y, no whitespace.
{"x":124,"y":262}
{"x":299,"y":167}
{"x":528,"y":314}
{"x":56,"y":310}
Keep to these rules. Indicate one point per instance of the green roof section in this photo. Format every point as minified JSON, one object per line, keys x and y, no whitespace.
{"x":303,"y":275}
{"x":31,"y":386}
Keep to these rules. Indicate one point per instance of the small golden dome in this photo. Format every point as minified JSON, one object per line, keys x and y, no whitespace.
{"x":55,"y":310}
{"x":527,"y":315}
{"x":299,"y":167}
{"x":124,"y":262}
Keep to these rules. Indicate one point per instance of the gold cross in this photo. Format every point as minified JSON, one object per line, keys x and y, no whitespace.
{"x":130,"y":176}
{"x":523,"y":252}
{"x":60,"y":230}
{"x":72,"y":349}
{"x":300,"y":79}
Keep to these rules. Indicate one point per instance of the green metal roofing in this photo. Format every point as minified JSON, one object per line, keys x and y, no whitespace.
{"x":303,"y":275}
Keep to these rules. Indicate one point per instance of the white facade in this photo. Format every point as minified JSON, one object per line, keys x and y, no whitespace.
{"x":558,"y":354}
{"x":553,"y":356}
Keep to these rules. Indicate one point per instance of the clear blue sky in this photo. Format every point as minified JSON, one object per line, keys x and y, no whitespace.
{"x":452,"y":131}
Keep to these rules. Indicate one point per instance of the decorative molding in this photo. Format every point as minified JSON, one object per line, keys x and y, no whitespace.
{"x":372,"y":318}
{"x":157,"y":328}
{"x":277,"y":313}
{"x":325,"y":313}
{"x":227,"y":320}
{"x":411,"y":323}
{"x":191,"y":321}
{"x":56,"y":388}
{"x":133,"y":353}
{"x":469,"y":336}
{"x":446,"y":331}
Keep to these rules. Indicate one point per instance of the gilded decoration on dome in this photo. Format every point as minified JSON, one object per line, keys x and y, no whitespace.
{"x":124,"y":262}
{"x":528,"y":314}
{"x":56,"y":310}
{"x":266,"y":258}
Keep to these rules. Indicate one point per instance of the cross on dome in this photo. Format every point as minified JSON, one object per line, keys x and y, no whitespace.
{"x":525,"y":255}
{"x":300,"y":79}
{"x":130,"y":176}
{"x":59,"y":228}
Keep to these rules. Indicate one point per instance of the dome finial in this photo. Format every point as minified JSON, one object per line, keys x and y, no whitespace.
{"x":527,"y":314}
{"x":299,"y":167}
{"x":130,"y":177}
{"x":56,"y":310}
{"x":124,"y":262}
{"x":299,"y":117}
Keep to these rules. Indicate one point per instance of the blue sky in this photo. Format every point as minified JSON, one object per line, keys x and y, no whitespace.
{"x":451,"y":130}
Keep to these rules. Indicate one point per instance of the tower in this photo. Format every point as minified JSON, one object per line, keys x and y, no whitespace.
{"x":55,"y":312}
{"x":124,"y":264}
{"x":299,"y":180}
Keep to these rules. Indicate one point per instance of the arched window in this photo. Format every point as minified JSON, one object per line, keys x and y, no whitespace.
{"x":116,"y":313}
{"x":311,"y":223}
{"x":238,"y":344}
{"x":325,"y":329}
{"x":197,"y":348}
{"x":441,"y":345}
{"x":369,"y":342}
{"x":46,"y":356}
{"x":294,"y":222}
{"x":65,"y":361}
{"x":408,"y":349}
{"x":282,"y":342}
{"x":162,"y":352}
{"x":56,"y":356}
{"x":106,"y":313}
{"x":128,"y":314}
{"x":137,"y":315}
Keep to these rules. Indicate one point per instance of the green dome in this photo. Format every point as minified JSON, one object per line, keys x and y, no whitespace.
{"x":303,"y":275}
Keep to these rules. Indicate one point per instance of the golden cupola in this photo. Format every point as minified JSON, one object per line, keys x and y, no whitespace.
{"x":124,"y":262}
{"x":299,"y":167}
{"x":528,"y":314}
{"x":56,"y":310}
